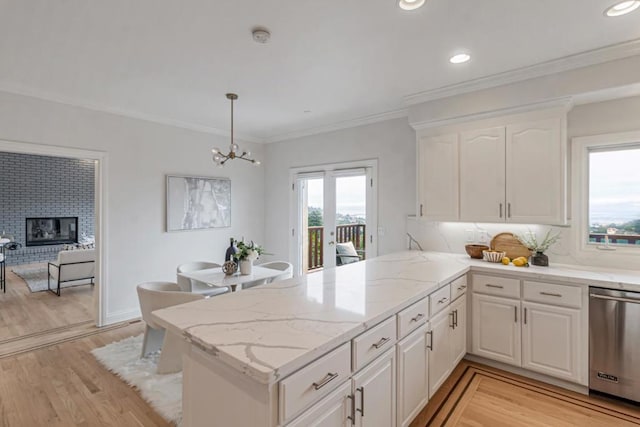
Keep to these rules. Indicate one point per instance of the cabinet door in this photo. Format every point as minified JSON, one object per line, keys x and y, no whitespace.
{"x":482,"y":175}
{"x":496,"y":328}
{"x":535,"y":171}
{"x":459,"y":332}
{"x":439,"y":350}
{"x":374,"y":389}
{"x":413,"y":389}
{"x":332,"y":411}
{"x":438,"y":177}
{"x":551,"y":340}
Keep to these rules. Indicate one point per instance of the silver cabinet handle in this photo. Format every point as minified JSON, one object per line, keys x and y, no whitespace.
{"x":421,"y":210}
{"x":361,"y":410}
{"x":453,"y":320}
{"x":382,"y":342}
{"x":430,"y":345}
{"x":509,"y":210}
{"x":416,"y":318}
{"x":326,"y":380}
{"x":461,"y":287}
{"x":515,"y":312}
{"x":621,"y":299}
{"x":489,"y":285}
{"x":500,"y":210}
{"x":443,"y":300}
{"x":352,"y":417}
{"x":549,"y":294}
{"x":525,"y":315}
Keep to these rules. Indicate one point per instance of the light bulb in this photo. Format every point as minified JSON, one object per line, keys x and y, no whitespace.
{"x":234,"y":147}
{"x":410,"y":4}
{"x":256,"y":162}
{"x":460,"y":58}
{"x":215,"y":150}
{"x":622,"y":8}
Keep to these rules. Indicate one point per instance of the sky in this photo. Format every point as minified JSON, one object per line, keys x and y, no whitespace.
{"x":350,"y":194}
{"x":614,"y":186}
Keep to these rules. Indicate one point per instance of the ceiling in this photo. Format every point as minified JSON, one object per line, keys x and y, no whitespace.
{"x":173,"y":61}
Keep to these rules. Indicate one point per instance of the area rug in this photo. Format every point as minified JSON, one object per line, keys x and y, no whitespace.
{"x":162,"y":392}
{"x":36,"y":278}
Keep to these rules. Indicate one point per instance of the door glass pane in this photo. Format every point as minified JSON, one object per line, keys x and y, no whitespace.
{"x":314,"y":228}
{"x":614,"y":197}
{"x":351,"y":218}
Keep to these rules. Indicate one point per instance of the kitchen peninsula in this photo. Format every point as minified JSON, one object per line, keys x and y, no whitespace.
{"x":306,"y":348}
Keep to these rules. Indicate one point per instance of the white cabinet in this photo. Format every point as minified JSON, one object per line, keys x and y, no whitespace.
{"x":332,"y":411}
{"x":551,"y":340}
{"x":374,"y":391}
{"x":440,"y":350}
{"x":515,"y":172}
{"x":458,"y":309}
{"x":482,"y":175}
{"x":412,"y":377}
{"x":496,"y":328}
{"x":438,"y":177}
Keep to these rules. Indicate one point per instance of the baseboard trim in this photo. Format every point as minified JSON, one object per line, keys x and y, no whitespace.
{"x":122,"y":316}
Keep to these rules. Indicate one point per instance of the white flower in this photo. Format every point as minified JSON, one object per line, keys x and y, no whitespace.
{"x":252,"y":255}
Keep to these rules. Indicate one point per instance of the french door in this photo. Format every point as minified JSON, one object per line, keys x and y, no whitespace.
{"x":334,"y":215}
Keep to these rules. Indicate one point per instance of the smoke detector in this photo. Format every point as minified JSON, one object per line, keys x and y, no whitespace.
{"x":260,"y":35}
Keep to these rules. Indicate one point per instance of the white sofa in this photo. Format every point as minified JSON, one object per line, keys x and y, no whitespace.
{"x":71,"y":266}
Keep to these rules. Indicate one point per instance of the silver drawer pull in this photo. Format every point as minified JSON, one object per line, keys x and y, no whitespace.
{"x":382,"y":342}
{"x":443,"y":300}
{"x":489,"y":285}
{"x":326,"y":380}
{"x":462,"y":287}
{"x":417,"y":317}
{"x":549,"y":294}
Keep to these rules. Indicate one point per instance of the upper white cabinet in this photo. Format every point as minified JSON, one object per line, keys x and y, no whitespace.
{"x":482,"y":175}
{"x":438,"y":177}
{"x":513,"y":172}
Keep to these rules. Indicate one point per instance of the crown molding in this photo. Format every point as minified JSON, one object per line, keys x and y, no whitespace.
{"x":564,"y":104}
{"x":567,"y":63}
{"x":346,"y":124}
{"x":58,"y":99}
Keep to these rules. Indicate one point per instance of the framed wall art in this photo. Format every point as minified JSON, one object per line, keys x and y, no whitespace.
{"x":195,"y":202}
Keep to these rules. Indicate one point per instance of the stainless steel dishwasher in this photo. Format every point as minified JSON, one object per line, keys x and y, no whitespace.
{"x":614,"y":342}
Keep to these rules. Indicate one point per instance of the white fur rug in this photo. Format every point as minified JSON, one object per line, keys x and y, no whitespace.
{"x":162,"y":392}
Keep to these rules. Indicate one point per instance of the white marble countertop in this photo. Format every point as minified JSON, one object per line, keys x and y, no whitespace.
{"x":270,"y":331}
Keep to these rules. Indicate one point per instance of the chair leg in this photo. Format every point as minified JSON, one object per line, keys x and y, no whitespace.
{"x":152,"y":340}
{"x":173,"y":348}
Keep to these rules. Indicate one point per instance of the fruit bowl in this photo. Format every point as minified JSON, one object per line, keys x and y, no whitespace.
{"x":475,"y":251}
{"x":493,"y":256}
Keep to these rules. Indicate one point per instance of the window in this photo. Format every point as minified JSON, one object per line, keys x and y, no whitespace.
{"x":614,"y":195}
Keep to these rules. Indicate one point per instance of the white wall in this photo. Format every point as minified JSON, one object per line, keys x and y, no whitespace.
{"x":140,"y":154}
{"x":391,"y":142}
{"x":590,"y":119}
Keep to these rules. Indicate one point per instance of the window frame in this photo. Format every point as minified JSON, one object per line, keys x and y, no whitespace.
{"x":581,"y":147}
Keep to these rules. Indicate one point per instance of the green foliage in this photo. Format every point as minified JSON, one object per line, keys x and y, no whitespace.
{"x":249,"y":251}
{"x":315,"y":217}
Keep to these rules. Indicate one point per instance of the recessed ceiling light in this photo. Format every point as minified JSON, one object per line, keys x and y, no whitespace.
{"x":460,"y":58}
{"x":410,"y":4}
{"x":622,"y":8}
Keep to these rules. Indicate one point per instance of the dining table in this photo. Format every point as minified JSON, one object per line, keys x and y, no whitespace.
{"x":215,"y":277}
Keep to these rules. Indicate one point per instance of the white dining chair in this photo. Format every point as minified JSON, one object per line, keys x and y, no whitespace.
{"x":285,"y":267}
{"x":155,"y":296}
{"x":196,"y":286}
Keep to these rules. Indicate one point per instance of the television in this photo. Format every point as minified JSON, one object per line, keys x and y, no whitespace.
{"x":51,"y":231}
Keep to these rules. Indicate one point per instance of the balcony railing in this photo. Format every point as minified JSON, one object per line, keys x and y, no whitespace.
{"x":615,"y":239}
{"x":355,"y":233}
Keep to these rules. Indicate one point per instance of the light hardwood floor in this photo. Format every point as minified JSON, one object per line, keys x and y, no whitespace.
{"x":63,"y":385}
{"x":24,"y":313}
{"x":477,"y":395}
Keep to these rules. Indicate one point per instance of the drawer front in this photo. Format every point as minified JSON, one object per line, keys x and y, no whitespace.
{"x":412,"y":317}
{"x":551,"y":293}
{"x":439,"y":300}
{"x":492,"y":285}
{"x":458,"y":287}
{"x":311,"y":383}
{"x":374,"y":342}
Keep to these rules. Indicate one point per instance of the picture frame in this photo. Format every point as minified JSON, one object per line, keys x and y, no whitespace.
{"x":197,"y":202}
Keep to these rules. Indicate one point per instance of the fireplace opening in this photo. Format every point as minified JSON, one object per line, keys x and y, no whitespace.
{"x":51,"y":231}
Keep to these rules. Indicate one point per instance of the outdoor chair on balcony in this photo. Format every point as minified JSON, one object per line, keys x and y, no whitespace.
{"x":346,"y":253}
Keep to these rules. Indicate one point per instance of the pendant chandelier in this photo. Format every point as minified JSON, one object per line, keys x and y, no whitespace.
{"x":219,"y":158}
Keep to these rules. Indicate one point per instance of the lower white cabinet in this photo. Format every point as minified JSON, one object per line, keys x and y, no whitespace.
{"x":374,"y":393}
{"x":458,"y":309}
{"x":439,"y":350}
{"x":332,"y":411}
{"x":551,"y":340}
{"x":412,"y":379}
{"x":496,"y":328}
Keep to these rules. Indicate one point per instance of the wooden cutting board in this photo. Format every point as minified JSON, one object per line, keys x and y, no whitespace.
{"x":510,"y":244}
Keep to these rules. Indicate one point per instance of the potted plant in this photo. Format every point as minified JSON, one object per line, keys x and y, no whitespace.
{"x":538,"y":248}
{"x":246,"y":254}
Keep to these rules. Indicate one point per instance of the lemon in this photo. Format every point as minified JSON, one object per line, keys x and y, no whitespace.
{"x":506,"y":260}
